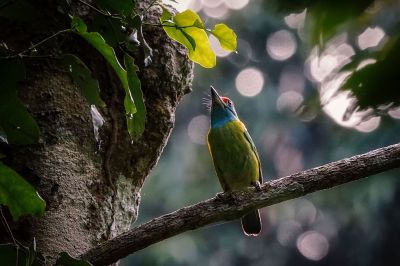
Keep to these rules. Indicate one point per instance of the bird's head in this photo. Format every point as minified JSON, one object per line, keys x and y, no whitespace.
{"x":222,"y":109}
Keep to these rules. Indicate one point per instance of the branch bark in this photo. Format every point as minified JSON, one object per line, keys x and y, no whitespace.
{"x":234,"y":205}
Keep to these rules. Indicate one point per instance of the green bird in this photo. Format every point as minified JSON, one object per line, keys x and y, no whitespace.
{"x":234,"y":154}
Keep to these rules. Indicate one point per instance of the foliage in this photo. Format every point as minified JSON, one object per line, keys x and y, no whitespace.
{"x":377,"y":84}
{"x":18,"y":195}
{"x":188,"y":29}
{"x":20,"y":127}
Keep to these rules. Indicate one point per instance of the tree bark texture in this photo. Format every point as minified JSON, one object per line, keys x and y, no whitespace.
{"x":229,"y":206}
{"x":92,"y":188}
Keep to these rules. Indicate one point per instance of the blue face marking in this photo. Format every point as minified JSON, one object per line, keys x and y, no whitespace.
{"x":221,"y":115}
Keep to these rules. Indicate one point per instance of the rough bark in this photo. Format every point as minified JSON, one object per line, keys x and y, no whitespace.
{"x":68,"y":167}
{"x":234,"y":205}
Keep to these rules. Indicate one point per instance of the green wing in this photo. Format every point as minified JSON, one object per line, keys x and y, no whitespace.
{"x":248,"y":138}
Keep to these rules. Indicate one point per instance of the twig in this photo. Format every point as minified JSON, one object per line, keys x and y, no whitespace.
{"x":4,"y":221}
{"x":216,"y":209}
{"x":99,"y":11}
{"x":22,"y":54}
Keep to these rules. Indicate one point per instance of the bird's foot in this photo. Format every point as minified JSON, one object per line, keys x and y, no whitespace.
{"x":257,"y":185}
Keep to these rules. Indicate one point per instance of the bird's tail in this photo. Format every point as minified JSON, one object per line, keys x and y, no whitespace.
{"x":251,"y":223}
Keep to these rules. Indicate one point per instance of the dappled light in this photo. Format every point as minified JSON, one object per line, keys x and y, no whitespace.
{"x":281,"y":45}
{"x":249,"y":82}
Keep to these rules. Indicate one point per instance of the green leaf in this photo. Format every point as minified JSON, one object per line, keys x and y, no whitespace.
{"x":15,"y":120}
{"x":67,"y":260}
{"x":11,"y":254}
{"x":109,"y":28}
{"x":226,"y":36}
{"x":185,"y":24}
{"x":18,"y":195}
{"x":97,"y":41}
{"x":82,"y":76}
{"x":123,"y":7}
{"x":135,"y":123}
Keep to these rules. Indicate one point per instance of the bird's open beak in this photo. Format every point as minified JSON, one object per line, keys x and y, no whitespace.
{"x":215,"y":98}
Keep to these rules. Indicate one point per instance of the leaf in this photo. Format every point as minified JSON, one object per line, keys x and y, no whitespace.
{"x":18,"y":195}
{"x":123,"y":7}
{"x":109,"y":28}
{"x":97,"y":41}
{"x":136,"y":123}
{"x":376,"y":84}
{"x":226,"y":36}
{"x":19,"y":127}
{"x":67,"y":260}
{"x":185,"y":24}
{"x":82,"y":76}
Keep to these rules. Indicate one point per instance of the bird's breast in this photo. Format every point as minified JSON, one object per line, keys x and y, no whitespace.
{"x":234,"y":158}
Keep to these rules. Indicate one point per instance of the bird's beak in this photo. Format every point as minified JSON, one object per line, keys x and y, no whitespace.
{"x":215,"y":98}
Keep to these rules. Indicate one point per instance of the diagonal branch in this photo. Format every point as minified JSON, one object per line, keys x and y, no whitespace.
{"x":233,"y":206}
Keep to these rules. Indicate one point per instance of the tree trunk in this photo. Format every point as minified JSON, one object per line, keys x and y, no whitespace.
{"x":92,"y":188}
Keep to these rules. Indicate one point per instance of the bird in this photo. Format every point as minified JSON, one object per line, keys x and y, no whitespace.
{"x":235,"y":157}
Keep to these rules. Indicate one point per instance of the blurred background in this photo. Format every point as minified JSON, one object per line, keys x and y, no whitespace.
{"x":314,"y":81}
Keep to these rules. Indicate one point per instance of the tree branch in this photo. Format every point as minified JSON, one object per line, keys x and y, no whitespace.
{"x":233,"y":206}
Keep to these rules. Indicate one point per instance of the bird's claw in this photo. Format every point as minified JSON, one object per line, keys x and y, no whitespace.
{"x":257,"y":185}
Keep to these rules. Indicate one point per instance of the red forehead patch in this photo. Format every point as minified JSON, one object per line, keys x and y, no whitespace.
{"x":226,"y":100}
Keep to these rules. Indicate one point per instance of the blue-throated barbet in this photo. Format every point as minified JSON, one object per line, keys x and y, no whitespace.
{"x":235,"y":157}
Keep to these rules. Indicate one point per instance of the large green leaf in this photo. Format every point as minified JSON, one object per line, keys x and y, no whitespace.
{"x":18,"y":195}
{"x":67,"y":260}
{"x":188,"y":29}
{"x":226,"y":36}
{"x":97,"y":41}
{"x":82,"y":76}
{"x":15,"y":120}
{"x":136,"y":123}
{"x":123,"y":7}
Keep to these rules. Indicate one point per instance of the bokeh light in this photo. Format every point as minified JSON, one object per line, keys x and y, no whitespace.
{"x":285,"y":153}
{"x":289,"y":101}
{"x":281,"y":45}
{"x":198,"y":128}
{"x":291,"y":79}
{"x":236,"y":4}
{"x":211,"y":3}
{"x":337,"y":108}
{"x":371,"y":37}
{"x":215,"y":45}
{"x":244,"y":52}
{"x":395,"y":113}
{"x":313,"y":245}
{"x":306,"y":213}
{"x":219,"y":12}
{"x":288,"y":232}
{"x":295,"y":20}
{"x":249,"y":82}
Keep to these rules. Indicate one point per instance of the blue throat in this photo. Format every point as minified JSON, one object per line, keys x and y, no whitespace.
{"x":221,"y":116}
